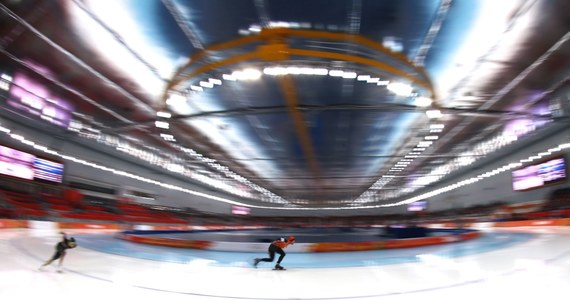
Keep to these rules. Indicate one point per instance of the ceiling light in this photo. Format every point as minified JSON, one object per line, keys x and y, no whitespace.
{"x":206,"y":84}
{"x":274,"y":71}
{"x":229,"y":77}
{"x":363,"y":77}
{"x":163,"y":114}
{"x":168,"y":137}
{"x":4,"y":85}
{"x":16,"y":136}
{"x":196,"y":88}
{"x":162,"y":124}
{"x":336,"y":73}
{"x":436,"y":126}
{"x":425,"y":144}
{"x":431,"y":137}
{"x":400,"y":89}
{"x":373,"y":80}
{"x":215,"y":81}
{"x":175,"y":99}
{"x":434,"y":114}
{"x":6,"y":77}
{"x":247,"y":74}
{"x":422,"y":101}
{"x":320,"y":71}
{"x":255,"y":28}
{"x":294,"y":70}
{"x":383,"y":82}
{"x":349,"y":75}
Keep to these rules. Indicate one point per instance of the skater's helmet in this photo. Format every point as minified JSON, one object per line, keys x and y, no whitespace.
{"x":71,"y":243}
{"x":291,"y":239}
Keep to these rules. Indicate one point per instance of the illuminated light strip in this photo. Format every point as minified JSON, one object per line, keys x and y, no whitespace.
{"x":360,"y":199}
{"x":126,"y":148}
{"x":127,"y":174}
{"x":464,"y":182}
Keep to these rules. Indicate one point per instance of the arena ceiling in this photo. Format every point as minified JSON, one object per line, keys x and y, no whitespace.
{"x":337,"y":103}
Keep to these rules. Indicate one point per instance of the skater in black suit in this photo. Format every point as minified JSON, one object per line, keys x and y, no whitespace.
{"x":60,"y":248}
{"x":276,"y":246}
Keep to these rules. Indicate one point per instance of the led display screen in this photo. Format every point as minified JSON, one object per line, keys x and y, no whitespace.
{"x":48,"y":170}
{"x":240,"y":210}
{"x":24,"y":165}
{"x":417,"y":206}
{"x":539,"y":174}
{"x":16,"y":163}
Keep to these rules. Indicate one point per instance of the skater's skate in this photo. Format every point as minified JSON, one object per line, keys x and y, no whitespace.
{"x":279,"y":267}
{"x":255,"y":262}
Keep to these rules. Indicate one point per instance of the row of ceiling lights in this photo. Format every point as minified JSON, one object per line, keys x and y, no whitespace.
{"x":88,"y":132}
{"x":463,"y":159}
{"x":401,"y":165}
{"x":172,"y":165}
{"x":423,"y":196}
{"x":484,"y":175}
{"x":265,"y":195}
{"x":249,"y":74}
{"x":118,"y":172}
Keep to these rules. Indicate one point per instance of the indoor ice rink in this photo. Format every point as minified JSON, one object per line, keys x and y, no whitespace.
{"x":393,"y":149}
{"x":524,"y":263}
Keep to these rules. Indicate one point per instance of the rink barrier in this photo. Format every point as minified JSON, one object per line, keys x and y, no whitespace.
{"x":148,"y":237}
{"x":178,"y":243}
{"x":11,"y":223}
{"x":453,"y":237}
{"x":8,"y":223}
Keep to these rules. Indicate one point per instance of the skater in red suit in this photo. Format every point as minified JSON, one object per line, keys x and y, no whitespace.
{"x":276,"y":246}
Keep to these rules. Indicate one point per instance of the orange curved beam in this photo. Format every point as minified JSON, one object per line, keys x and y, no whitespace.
{"x":270,"y":36}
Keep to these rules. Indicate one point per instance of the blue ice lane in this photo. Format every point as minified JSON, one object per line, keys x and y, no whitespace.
{"x":487,"y":242}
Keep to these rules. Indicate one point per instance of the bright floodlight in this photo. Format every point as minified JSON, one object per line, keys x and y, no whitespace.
{"x":215,"y":81}
{"x":247,"y":74}
{"x":206,"y":84}
{"x":229,"y":77}
{"x":434,"y":114}
{"x":336,"y":73}
{"x":175,"y":99}
{"x":164,"y":114}
{"x":400,"y":89}
{"x":162,"y":124}
{"x":423,"y":101}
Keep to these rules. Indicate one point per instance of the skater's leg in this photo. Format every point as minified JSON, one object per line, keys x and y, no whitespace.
{"x":281,"y":255}
{"x":271,"y":254}
{"x":54,"y":257}
{"x":61,"y":260}
{"x":46,"y":263}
